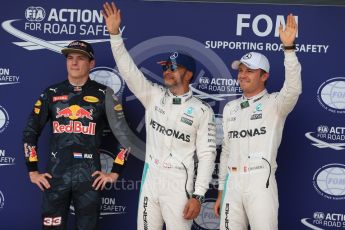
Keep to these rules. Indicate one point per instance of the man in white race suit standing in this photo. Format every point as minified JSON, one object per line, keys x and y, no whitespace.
{"x":253,"y":126}
{"x":178,"y":125}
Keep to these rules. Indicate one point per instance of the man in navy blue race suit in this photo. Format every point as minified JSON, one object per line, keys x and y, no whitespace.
{"x":77,"y":114}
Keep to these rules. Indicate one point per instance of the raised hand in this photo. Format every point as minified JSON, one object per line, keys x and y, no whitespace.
{"x":288,"y":35}
{"x":112,"y":17}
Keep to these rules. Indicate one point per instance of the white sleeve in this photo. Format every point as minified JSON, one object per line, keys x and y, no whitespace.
{"x":205,"y":150}
{"x":224,"y":156}
{"x":142,"y":88}
{"x":292,"y":88}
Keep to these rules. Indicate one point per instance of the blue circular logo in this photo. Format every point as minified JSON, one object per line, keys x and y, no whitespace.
{"x":4,"y":119}
{"x":206,"y":220}
{"x":329,"y":181}
{"x":108,"y":77}
{"x":331,"y":95}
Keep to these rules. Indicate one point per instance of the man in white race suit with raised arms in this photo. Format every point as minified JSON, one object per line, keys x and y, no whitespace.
{"x":178,"y":125}
{"x":253,"y":126}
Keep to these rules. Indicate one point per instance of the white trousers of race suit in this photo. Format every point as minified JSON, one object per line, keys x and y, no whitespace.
{"x":245,"y":196}
{"x":163,"y":198}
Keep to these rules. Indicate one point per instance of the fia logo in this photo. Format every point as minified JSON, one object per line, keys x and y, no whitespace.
{"x":204,"y":80}
{"x":35,"y":14}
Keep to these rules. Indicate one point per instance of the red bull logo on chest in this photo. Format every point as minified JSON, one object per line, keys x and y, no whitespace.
{"x":74,"y":112}
{"x":74,"y":127}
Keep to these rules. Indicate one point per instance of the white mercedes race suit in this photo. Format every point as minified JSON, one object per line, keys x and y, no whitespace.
{"x":176,"y":128}
{"x":252,"y":134}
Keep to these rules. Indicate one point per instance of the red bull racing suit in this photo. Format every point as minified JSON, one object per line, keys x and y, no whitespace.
{"x":176,"y":128}
{"x":77,"y":117}
{"x":252,"y":134}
